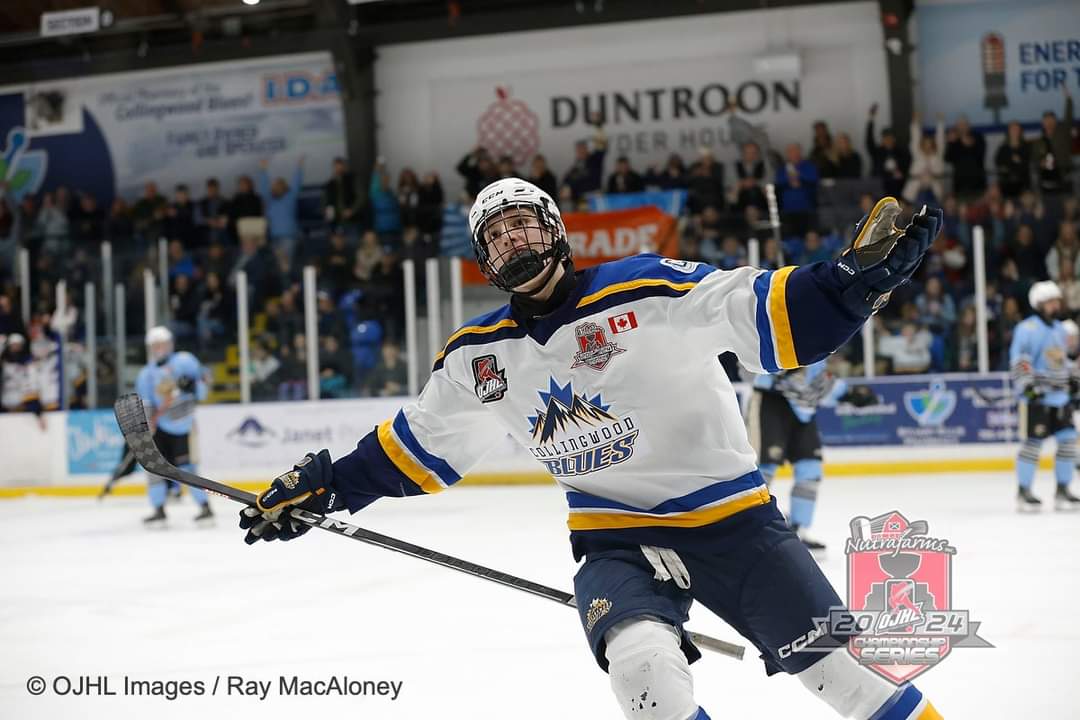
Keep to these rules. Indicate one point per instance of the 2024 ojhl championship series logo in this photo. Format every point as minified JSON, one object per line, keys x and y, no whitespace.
{"x":900,"y":621}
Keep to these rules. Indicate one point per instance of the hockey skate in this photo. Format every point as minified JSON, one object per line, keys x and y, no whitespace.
{"x":1026,"y":502}
{"x":205,"y":518}
{"x":816,"y":547}
{"x":155,"y":521}
{"x":1065,"y":500}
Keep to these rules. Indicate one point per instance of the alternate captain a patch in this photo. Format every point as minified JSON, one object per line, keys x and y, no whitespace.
{"x":594,"y":349}
{"x":490,"y":379}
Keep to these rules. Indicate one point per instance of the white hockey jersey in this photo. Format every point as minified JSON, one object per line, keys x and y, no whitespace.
{"x":617,"y":393}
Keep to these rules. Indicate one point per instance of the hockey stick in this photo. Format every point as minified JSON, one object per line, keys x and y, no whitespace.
{"x":132,"y":419}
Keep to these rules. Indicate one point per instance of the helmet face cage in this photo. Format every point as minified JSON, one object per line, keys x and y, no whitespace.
{"x":515,"y":242}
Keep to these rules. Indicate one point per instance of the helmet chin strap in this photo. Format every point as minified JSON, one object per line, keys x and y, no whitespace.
{"x":547,"y":275}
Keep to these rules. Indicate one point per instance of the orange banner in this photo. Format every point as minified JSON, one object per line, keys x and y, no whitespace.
{"x":599,"y":237}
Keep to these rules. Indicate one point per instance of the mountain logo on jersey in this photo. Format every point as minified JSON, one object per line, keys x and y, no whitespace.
{"x":490,"y":379}
{"x":933,"y":406}
{"x":578,"y":434}
{"x":595,"y":350}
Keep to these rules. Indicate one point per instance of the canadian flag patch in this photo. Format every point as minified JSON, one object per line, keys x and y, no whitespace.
{"x":622,"y":323}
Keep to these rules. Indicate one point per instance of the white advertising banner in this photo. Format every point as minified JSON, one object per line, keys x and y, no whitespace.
{"x":662,"y":86}
{"x":109,"y":134}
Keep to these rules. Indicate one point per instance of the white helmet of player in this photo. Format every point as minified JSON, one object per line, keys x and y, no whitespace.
{"x":159,"y":343}
{"x":1042,"y":292}
{"x":517,"y":234}
{"x":1071,"y":328}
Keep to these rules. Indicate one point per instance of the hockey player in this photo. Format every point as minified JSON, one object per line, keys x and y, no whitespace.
{"x":1041,"y":373}
{"x":783,"y":428}
{"x":609,"y":378}
{"x":170,"y":385}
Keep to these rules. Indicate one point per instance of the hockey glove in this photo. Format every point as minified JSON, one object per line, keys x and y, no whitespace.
{"x":309,"y":486}
{"x":185,"y":384}
{"x":859,"y":396}
{"x":883,"y":256}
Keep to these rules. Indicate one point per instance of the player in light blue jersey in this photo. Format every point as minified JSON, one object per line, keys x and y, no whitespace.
{"x":170,"y":385}
{"x":783,"y":428}
{"x":1042,"y":375}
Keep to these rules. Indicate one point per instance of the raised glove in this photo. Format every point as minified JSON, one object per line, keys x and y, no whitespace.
{"x":185,"y":384}
{"x":883,"y":256}
{"x":309,"y":486}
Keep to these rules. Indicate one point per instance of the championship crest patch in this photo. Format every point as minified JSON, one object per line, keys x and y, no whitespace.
{"x":900,"y":620}
{"x":594,"y":349}
{"x":490,"y":379}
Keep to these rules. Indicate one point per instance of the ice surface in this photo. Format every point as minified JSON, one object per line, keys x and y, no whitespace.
{"x":84,"y":590}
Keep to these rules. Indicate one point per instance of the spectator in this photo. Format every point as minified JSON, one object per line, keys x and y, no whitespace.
{"x":966,"y":152}
{"x":909,"y":350}
{"x":586,"y":175}
{"x":823,"y":152}
{"x":731,"y":254}
{"x":293,"y":375}
{"x":366,"y":258}
{"x":180,"y":261}
{"x":389,"y":377}
{"x":507,"y":167}
{"x":848,"y":162}
{"x":264,"y":372}
{"x":257,"y":261}
{"x":148,"y":212}
{"x":888,"y":161}
{"x":1030,"y":260}
{"x":965,"y":344}
{"x":429,"y":211}
{"x":51,"y":225}
{"x":926,"y":177}
{"x":542,"y":177}
{"x":750,"y":169}
{"x":179,"y":223}
{"x":335,"y":368}
{"x":741,"y":132}
{"x":814,"y":249}
{"x":215,"y":314}
{"x":672,"y":177}
{"x":1013,"y":163}
{"x":87,"y":221}
{"x":771,"y":258}
{"x":1063,"y":260}
{"x":183,"y":308}
{"x":244,"y":204}
{"x":342,"y":203}
{"x":1011,"y":316}
{"x":387,"y":292}
{"x":284,"y":320}
{"x":386,"y":219}
{"x":624,"y":179}
{"x":217,"y":260}
{"x":335,"y":266}
{"x":119,"y":228}
{"x":796,"y":185}
{"x":478,"y":170}
{"x":326,"y":315}
{"x":8,"y":237}
{"x":706,"y":183}
{"x":26,"y":218}
{"x":408,"y":197}
{"x":280,"y":200}
{"x":1052,"y":152}
{"x":936,"y":308}
{"x":9,"y":317}
{"x":211,"y":215}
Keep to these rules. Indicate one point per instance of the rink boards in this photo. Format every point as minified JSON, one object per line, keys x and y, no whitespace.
{"x":919,"y":424}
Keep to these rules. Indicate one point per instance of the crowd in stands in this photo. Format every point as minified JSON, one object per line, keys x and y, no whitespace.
{"x":357,"y":230}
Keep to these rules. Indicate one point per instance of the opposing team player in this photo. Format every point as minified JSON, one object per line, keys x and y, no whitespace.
{"x":608,"y":376}
{"x":782,"y":420}
{"x":1041,"y":373}
{"x":170,"y":385}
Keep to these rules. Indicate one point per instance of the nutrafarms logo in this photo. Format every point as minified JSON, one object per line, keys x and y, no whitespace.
{"x":931,"y":407}
{"x":22,"y":169}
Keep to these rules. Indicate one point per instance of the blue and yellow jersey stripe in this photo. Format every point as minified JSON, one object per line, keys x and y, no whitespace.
{"x":702,"y":507}
{"x":427,"y":470}
{"x":773,"y":321}
{"x":907,"y":703}
{"x":485,"y":329}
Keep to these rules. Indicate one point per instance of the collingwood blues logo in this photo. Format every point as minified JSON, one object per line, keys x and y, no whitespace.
{"x":490,"y":379}
{"x":595,"y":350}
{"x":576,"y":434}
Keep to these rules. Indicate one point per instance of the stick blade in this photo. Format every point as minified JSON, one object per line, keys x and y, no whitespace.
{"x":131,"y":416}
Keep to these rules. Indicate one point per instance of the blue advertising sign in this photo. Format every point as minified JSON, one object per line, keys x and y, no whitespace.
{"x":94,"y":442}
{"x":671,"y":202}
{"x":926,"y":410}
